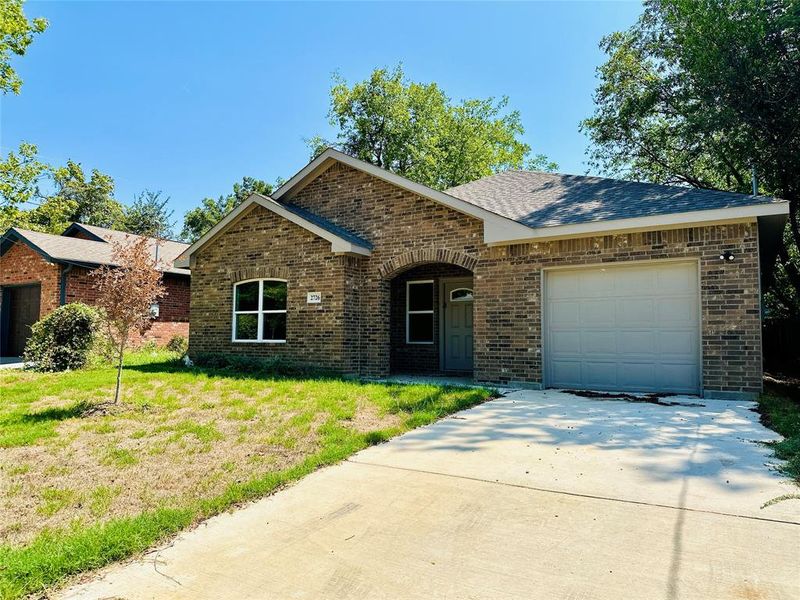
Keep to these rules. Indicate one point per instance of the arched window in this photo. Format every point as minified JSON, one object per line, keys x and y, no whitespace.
{"x":461,"y":295}
{"x":259,"y":311}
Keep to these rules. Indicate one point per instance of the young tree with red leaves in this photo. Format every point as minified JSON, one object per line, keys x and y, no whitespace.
{"x":127,"y":291}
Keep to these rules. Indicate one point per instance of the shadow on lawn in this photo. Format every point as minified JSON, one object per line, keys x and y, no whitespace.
{"x":57,"y":414}
{"x":439,"y":401}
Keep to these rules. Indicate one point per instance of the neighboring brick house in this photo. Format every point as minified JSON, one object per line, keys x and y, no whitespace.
{"x":521,"y":278}
{"x":39,"y":272}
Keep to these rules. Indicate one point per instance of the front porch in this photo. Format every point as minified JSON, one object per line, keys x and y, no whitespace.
{"x":431,"y":322}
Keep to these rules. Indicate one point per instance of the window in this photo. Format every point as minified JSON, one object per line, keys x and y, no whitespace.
{"x":259,"y":311}
{"x":461,"y":295}
{"x":419,"y":312}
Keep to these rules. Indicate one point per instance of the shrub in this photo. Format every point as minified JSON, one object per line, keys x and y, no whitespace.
{"x":277,"y":365}
{"x":147,"y":346}
{"x":63,"y":339}
{"x":178,"y":344}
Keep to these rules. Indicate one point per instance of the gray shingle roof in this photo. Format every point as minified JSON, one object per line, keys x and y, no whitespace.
{"x":77,"y":250}
{"x":539,"y":199}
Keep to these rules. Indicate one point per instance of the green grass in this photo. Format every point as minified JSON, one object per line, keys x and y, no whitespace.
{"x":172,"y":412}
{"x":781,"y":413}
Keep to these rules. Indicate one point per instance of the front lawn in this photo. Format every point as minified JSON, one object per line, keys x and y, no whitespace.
{"x":79,"y":490}
{"x":780,"y":411}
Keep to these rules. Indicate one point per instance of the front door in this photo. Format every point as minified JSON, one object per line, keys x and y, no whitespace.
{"x":21,"y":308}
{"x":457,"y":334}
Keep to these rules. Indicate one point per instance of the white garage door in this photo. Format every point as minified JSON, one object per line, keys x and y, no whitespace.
{"x":634,"y":328}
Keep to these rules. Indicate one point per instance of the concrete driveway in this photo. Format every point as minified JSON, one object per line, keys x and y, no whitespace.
{"x":535,"y":495}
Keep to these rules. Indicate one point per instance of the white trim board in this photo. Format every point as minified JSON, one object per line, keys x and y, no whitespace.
{"x":695,"y":218}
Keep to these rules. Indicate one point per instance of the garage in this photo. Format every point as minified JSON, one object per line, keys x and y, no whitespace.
{"x":19,"y":310}
{"x":623,"y":328}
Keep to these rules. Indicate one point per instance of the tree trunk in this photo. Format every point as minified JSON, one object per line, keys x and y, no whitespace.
{"x":119,"y":372}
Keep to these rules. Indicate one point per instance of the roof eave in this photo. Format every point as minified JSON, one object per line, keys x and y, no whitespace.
{"x":13,"y":234}
{"x":697,"y":218}
{"x":75,"y":226}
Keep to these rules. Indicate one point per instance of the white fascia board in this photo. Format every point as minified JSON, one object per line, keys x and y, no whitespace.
{"x":339,"y":245}
{"x":507,"y":226}
{"x":696,"y":218}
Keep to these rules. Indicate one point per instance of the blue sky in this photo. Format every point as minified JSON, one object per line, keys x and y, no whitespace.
{"x":188,"y":97}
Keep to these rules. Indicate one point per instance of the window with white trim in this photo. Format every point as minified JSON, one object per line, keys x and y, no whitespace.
{"x":259,"y":311}
{"x":419,"y":312}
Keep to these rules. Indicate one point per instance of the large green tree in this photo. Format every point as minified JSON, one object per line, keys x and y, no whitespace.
{"x":202,"y":218}
{"x":85,"y":200}
{"x":416,"y":130}
{"x":16,"y":34}
{"x":703,"y":93}
{"x":21,"y":175}
{"x":38,"y":196}
{"x":148,"y":215}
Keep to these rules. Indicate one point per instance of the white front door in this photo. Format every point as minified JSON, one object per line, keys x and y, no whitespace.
{"x":617,"y":328}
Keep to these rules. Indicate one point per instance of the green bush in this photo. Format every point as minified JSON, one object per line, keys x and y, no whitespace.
{"x":63,"y":339}
{"x":178,"y":343}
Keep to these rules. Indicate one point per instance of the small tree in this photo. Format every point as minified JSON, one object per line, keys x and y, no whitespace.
{"x":127,"y":291}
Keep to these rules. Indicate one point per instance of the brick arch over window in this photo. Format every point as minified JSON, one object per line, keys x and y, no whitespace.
{"x":259,"y":273}
{"x":405,"y":261}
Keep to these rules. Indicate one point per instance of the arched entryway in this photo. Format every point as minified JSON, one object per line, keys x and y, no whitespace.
{"x":431,"y":320}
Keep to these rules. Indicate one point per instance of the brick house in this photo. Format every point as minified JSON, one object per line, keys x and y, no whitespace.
{"x":524,"y":278}
{"x":39,"y":272}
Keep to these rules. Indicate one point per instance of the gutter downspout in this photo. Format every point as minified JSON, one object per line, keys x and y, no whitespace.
{"x":63,"y":291}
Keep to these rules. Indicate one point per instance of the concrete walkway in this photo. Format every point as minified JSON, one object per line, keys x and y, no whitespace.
{"x":12,"y":362}
{"x":536,"y":495}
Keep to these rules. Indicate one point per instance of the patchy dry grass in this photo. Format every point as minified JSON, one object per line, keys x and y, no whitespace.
{"x":78,"y":490}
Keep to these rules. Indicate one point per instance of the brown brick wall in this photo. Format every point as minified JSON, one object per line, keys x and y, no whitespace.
{"x":508,"y":304}
{"x":353,"y":328}
{"x":262,"y":245}
{"x":396,"y":222}
{"x":81,"y":286}
{"x":21,"y":265}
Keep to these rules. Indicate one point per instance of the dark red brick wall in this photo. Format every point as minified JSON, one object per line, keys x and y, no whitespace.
{"x":81,"y":286}
{"x":21,"y":265}
{"x":174,"y":306}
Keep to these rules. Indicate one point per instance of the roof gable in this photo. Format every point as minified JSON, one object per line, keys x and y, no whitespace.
{"x":496,"y":226}
{"x":342,"y":241}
